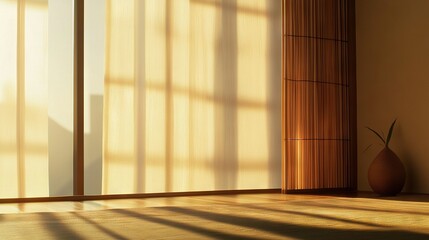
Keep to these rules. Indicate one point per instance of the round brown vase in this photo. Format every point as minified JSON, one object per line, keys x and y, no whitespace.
{"x":386,"y":174}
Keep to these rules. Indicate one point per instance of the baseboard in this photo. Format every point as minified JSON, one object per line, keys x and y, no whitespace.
{"x":323,"y":191}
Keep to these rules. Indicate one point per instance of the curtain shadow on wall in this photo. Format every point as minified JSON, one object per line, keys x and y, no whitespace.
{"x":61,"y":155}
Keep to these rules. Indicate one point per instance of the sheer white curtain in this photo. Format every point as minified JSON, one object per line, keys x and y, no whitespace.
{"x":23,"y":99}
{"x":35,"y":109}
{"x":191,"y":95}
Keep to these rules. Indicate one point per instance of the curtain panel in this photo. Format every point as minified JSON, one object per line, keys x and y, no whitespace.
{"x":191,"y":95}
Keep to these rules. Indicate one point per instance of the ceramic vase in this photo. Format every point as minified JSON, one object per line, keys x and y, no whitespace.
{"x":386,"y":174}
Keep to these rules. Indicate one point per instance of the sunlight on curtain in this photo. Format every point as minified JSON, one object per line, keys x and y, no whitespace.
{"x":23,"y":99}
{"x":119,"y":96}
{"x":191,"y":95}
{"x":36,"y":101}
{"x":252,"y":86}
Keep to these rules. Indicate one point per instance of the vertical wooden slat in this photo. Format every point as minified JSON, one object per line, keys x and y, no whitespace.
{"x":283,"y":98}
{"x":319,"y":95}
{"x":78,"y":98}
{"x":351,"y":73}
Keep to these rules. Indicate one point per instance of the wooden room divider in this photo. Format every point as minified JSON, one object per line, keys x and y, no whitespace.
{"x":319,"y":99}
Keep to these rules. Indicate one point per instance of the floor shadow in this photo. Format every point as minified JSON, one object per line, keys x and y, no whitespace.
{"x":402,"y":197}
{"x":99,"y":227}
{"x":299,"y":231}
{"x":192,"y":228}
{"x":59,"y":230}
{"x":311,"y":215}
{"x":330,"y":206}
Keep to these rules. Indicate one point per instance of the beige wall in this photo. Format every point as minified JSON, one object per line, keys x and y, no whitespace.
{"x":393,"y":81}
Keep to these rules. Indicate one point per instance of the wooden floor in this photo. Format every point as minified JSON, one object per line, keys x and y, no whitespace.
{"x":248,"y":216}
{"x":189,"y":201}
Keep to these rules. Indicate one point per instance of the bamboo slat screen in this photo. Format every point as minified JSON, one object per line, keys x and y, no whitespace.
{"x":318,"y":94}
